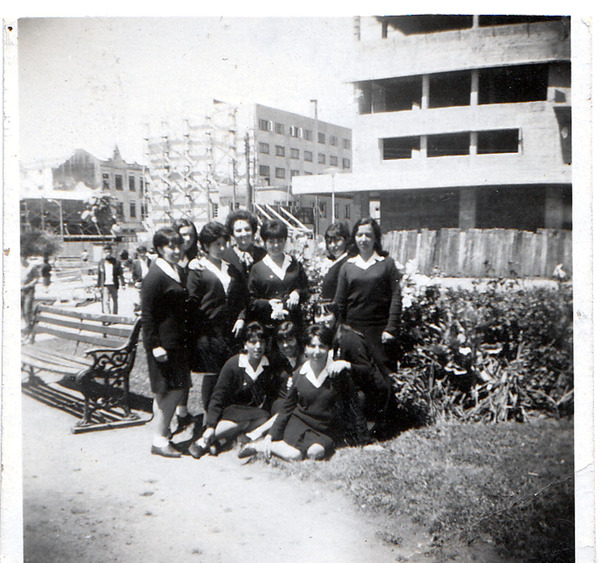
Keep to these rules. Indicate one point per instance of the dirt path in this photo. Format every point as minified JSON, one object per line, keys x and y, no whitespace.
{"x":102,"y":497}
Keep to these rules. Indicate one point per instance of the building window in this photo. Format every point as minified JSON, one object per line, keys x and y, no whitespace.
{"x":308,"y":134}
{"x":348,"y":211}
{"x":308,"y":156}
{"x":333,"y":160}
{"x":295,"y":173}
{"x":449,"y":89}
{"x":279,"y":129}
{"x":132,"y":210}
{"x":132,"y":183}
{"x":105,"y":182}
{"x":263,"y":148}
{"x":323,"y":208}
{"x":263,"y":124}
{"x":449,"y":144}
{"x":497,"y":142}
{"x":120,"y":213}
{"x":322,"y":138}
{"x":279,"y":172}
{"x":345,"y":163}
{"x":143,"y":211}
{"x":118,"y":182}
{"x":234,"y":206}
{"x":397,"y":148}
{"x":337,"y":211}
{"x":294,"y":131}
{"x":264,"y":170}
{"x":295,"y":153}
{"x":322,"y":159}
{"x":347,"y":144}
{"x":279,"y":150}
{"x":513,"y":84}
{"x":142,"y":186}
{"x":333,"y":140}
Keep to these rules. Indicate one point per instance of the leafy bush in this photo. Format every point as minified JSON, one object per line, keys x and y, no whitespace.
{"x":497,"y":354}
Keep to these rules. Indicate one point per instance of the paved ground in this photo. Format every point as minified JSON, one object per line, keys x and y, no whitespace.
{"x":102,"y":496}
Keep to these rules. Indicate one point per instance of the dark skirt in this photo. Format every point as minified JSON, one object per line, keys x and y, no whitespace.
{"x":242,"y":413}
{"x":301,"y":436}
{"x":170,"y":375}
{"x":210,"y":354}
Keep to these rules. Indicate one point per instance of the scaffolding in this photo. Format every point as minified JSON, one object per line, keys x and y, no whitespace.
{"x":195,"y":169}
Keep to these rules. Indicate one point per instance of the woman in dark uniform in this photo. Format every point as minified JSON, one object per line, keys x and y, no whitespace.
{"x":337,"y":238}
{"x":243,"y":252}
{"x":164,"y":328}
{"x":242,"y":398}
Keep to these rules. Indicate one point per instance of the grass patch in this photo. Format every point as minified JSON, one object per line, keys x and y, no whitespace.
{"x":511,"y":483}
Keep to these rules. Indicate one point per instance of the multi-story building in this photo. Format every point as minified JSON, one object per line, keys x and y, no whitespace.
{"x":462,"y":122}
{"x":121,"y":180}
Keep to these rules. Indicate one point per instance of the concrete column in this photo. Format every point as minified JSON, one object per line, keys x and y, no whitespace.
{"x":553,"y":208}
{"x":475,"y":22}
{"x":425,"y":92}
{"x":473,"y":144}
{"x":467,"y":208}
{"x":423,"y":148}
{"x":362,"y":201}
{"x":474,"y":87}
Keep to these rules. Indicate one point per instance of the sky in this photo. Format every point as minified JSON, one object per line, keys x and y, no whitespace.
{"x":94,"y":83}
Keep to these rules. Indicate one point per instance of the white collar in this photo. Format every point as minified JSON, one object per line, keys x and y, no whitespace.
{"x":339,"y":258}
{"x":358,"y":261}
{"x":168,"y":269}
{"x":316,"y":380}
{"x":221,"y":273}
{"x":279,"y":272}
{"x":243,"y":362}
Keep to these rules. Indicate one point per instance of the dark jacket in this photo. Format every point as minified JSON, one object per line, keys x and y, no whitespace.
{"x":136,"y":269}
{"x":117,"y":271}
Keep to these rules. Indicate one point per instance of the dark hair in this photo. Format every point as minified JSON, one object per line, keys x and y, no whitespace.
{"x":376,"y":231}
{"x":165,"y":237}
{"x":210,"y":233}
{"x":338,"y":229}
{"x":124,"y":254}
{"x":273,"y":229}
{"x":286,"y":330}
{"x":192,"y":251}
{"x":241,"y":215}
{"x":254,"y":329}
{"x":107,"y":247}
{"x":142,"y":249}
{"x":324,"y":308}
{"x":323,"y":333}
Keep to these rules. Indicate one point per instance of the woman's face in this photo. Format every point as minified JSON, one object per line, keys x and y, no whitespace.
{"x":216,"y":248}
{"x":275,"y":247}
{"x":171,"y":252}
{"x":316,"y":351}
{"x":365,"y":240}
{"x":336,"y":246}
{"x":187,"y":234}
{"x":288,"y":346}
{"x":242,"y":233}
{"x":255,"y":348}
{"x":325,"y":318}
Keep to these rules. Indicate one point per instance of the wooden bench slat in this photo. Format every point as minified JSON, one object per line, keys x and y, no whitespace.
{"x":54,"y":368}
{"x":113,"y":319}
{"x":110,"y":330}
{"x":77,"y":337}
{"x":58,"y":359}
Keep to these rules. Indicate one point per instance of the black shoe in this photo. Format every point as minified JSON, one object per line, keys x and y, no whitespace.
{"x":196,"y":450}
{"x":182,"y":423}
{"x":247,"y":451}
{"x":165,"y":451}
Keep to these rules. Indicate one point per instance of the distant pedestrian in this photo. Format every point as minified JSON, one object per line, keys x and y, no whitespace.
{"x":140,"y":265}
{"x":45,"y":271}
{"x":109,"y":276}
{"x":29,"y":277}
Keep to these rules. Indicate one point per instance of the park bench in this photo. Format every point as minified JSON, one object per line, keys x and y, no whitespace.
{"x":100,"y":374}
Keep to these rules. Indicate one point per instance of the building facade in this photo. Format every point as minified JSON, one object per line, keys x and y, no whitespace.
{"x":123,"y":181}
{"x":461,"y":122}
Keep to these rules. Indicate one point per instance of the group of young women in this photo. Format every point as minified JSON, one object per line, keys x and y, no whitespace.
{"x":279,"y":376}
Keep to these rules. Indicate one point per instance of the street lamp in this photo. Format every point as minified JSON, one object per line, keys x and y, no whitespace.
{"x":315,"y":162}
{"x":332,"y":170}
{"x":60,"y":214}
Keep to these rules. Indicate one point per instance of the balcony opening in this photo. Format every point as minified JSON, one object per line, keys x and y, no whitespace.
{"x":512,"y":84}
{"x":396,"y":94}
{"x":396,"y":148}
{"x":449,"y":89}
{"x":498,"y":141}
{"x":487,"y":21}
{"x":448,"y":144}
{"x":411,"y":25}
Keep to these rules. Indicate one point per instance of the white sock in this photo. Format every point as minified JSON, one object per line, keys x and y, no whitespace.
{"x":181,"y":410}
{"x":160,"y":441}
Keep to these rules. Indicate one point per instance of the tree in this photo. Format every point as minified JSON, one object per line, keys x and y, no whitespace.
{"x":39,"y":243}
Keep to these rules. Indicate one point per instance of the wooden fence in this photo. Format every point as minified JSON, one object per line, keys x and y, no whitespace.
{"x":483,"y":252}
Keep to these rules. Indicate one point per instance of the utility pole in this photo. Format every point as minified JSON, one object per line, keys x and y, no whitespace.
{"x":316,"y":164}
{"x":248,"y":183}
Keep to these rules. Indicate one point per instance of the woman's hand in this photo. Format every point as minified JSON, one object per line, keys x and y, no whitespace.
{"x":278,"y":313}
{"x":293,"y":299}
{"x":160,"y":354}
{"x":238,"y":327}
{"x":338,"y":367}
{"x":386,"y":336}
{"x":268,"y":440}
